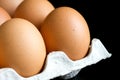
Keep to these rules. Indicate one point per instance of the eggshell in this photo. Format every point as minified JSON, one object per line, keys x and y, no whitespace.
{"x":34,"y":10}
{"x":10,"y":5}
{"x":65,"y":29}
{"x":4,"y":16}
{"x":21,"y":47}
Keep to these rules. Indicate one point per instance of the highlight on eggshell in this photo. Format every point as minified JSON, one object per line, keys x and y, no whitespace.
{"x":21,"y":47}
{"x":34,"y":10}
{"x":10,"y":5}
{"x":65,"y":29}
{"x":4,"y":16}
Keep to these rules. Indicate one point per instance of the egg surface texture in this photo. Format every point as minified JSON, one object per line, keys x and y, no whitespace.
{"x":21,"y":47}
{"x":10,"y":5}
{"x":65,"y":29}
{"x":4,"y":16}
{"x":34,"y":10}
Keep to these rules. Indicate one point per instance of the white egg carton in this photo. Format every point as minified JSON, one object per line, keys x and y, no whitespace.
{"x":59,"y":65}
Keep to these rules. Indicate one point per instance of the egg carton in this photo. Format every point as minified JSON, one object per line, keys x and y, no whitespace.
{"x":58,"y":64}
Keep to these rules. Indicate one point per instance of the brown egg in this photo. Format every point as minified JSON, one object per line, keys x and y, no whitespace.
{"x":4,"y":16}
{"x":65,"y":29}
{"x":21,"y":47}
{"x":34,"y":10}
{"x":10,"y":5}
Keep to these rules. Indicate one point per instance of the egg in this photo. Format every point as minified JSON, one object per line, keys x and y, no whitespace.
{"x":10,"y":5}
{"x":65,"y":29}
{"x":21,"y":47}
{"x":34,"y":10}
{"x":4,"y":16}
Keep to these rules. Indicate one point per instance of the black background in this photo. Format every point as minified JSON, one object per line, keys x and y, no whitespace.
{"x":99,"y":16}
